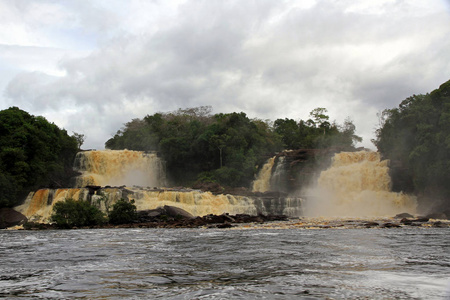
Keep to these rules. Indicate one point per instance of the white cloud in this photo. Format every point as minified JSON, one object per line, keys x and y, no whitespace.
{"x":270,"y":59}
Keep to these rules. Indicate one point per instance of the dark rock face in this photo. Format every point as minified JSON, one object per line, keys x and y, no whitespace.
{"x":9,"y":217}
{"x":302,"y":166}
{"x":403,"y":215}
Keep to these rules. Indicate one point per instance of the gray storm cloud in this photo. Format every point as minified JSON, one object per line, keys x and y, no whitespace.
{"x":269,"y":59}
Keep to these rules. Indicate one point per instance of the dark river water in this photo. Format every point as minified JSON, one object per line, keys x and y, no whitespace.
{"x":226,"y":264}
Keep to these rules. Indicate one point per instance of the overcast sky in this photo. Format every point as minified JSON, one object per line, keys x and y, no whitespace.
{"x":91,"y":66}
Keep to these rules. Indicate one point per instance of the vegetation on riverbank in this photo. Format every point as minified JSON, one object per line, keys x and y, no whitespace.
{"x":416,"y":138}
{"x":71,"y":213}
{"x":33,"y":153}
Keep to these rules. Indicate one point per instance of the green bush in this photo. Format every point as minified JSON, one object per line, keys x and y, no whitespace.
{"x":123,"y":212}
{"x":70,"y":213}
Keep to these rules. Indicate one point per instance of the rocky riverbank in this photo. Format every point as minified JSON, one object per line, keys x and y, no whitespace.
{"x":171,"y":217}
{"x":146,"y":220}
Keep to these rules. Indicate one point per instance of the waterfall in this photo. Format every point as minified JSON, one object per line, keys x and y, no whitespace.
{"x":278,"y":178}
{"x":357,"y":185}
{"x":262,"y":182}
{"x":106,"y":173}
{"x":271,"y":177}
{"x":119,"y":167}
{"x":39,"y":205}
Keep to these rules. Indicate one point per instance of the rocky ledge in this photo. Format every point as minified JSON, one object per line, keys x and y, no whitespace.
{"x":158,"y":219}
{"x":174,"y":217}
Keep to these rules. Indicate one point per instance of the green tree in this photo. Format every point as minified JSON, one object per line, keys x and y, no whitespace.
{"x":416,"y":138}
{"x":33,"y":153}
{"x":317,"y":132}
{"x":80,"y":138}
{"x":71,"y":213}
{"x":224,"y":148}
{"x":194,"y":142}
{"x":319,"y":117}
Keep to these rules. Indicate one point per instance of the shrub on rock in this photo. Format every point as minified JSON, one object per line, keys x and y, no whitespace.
{"x":71,"y":213}
{"x":123,"y":212}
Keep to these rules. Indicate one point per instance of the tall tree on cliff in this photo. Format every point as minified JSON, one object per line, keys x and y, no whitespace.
{"x":33,"y":153}
{"x":416,"y":138}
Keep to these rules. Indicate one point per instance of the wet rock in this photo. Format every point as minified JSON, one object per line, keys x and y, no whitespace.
{"x":216,"y":219}
{"x":221,"y":226}
{"x":212,"y":187}
{"x":406,"y":221}
{"x":276,"y":218}
{"x":415,"y":224}
{"x":228,"y":217}
{"x":177,"y":212}
{"x":390,"y":225}
{"x":9,"y":217}
{"x":371,"y":224}
{"x":440,"y":216}
{"x":403,"y":215}
{"x":422,"y":219}
{"x":93,"y":189}
{"x":438,"y":224}
{"x":150,"y":214}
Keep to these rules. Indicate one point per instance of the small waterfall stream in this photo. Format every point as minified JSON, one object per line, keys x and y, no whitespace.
{"x":262,"y":182}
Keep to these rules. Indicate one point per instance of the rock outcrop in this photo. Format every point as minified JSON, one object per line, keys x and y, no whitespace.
{"x":9,"y":217}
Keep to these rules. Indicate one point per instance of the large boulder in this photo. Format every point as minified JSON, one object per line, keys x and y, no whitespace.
{"x":9,"y":217}
{"x":173,"y":211}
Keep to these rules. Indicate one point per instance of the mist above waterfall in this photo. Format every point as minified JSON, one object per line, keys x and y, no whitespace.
{"x":356,"y":185}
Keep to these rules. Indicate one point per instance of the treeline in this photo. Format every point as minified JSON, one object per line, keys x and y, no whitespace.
{"x":225,"y":148}
{"x":416,"y":138}
{"x":33,"y":153}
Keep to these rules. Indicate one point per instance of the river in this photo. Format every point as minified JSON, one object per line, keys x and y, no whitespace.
{"x":407,"y":263}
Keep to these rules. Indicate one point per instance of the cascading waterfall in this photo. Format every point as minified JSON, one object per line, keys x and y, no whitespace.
{"x":119,"y":167}
{"x":278,"y":180}
{"x":262,"y":182}
{"x":357,"y":185}
{"x":271,"y":176}
{"x":108,"y":176}
{"x":38,"y":206}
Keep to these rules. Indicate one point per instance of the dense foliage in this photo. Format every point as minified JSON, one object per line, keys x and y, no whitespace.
{"x":224,"y":148}
{"x":33,"y":153}
{"x":416,"y":138}
{"x":123,"y":212}
{"x":316,"y":132}
{"x":70,"y":213}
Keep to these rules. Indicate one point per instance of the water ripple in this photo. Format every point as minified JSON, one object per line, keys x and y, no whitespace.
{"x":225,"y":264}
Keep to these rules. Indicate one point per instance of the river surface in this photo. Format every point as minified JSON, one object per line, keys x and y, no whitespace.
{"x":411,"y":263}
